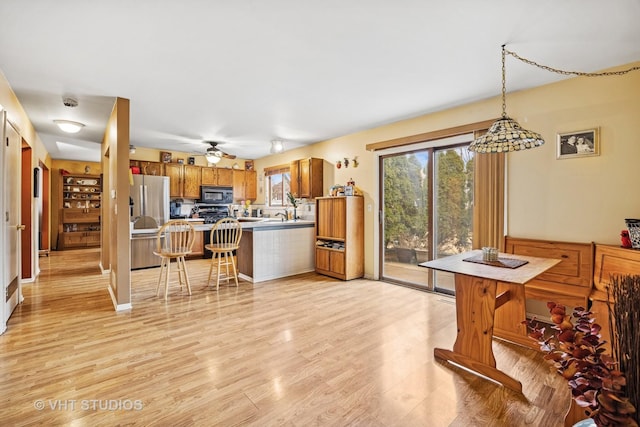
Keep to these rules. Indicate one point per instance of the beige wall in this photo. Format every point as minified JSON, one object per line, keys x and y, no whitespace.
{"x":580,"y":199}
{"x":153,"y":155}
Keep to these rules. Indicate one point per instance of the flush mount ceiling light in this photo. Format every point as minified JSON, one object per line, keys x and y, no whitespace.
{"x":69,"y":126}
{"x":505,"y":134}
{"x":277,"y":146}
{"x":213,"y":155}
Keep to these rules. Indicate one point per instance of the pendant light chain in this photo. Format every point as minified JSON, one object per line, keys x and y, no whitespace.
{"x":564,"y":72}
{"x":504,"y":84}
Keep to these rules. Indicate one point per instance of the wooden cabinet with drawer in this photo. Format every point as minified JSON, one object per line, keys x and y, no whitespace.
{"x":568,"y":283}
{"x":609,"y":261}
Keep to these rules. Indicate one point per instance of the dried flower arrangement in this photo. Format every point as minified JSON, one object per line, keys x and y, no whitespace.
{"x":577,"y":353}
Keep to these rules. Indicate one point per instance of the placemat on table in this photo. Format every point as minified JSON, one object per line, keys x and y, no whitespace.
{"x":501,"y":262}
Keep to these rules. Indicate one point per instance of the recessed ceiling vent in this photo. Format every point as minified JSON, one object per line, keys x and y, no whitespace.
{"x":69,"y":102}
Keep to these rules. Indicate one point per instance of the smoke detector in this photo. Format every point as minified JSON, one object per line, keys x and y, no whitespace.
{"x":69,"y":102}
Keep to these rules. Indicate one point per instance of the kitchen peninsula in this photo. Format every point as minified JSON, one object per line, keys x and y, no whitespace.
{"x":272,"y":249}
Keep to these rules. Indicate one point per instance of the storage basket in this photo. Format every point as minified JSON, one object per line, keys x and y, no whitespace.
{"x":634,"y":232}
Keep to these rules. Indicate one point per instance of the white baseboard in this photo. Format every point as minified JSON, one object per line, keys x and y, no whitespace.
{"x":118,"y":307}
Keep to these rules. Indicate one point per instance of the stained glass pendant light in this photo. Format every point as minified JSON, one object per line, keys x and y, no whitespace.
{"x":505,"y":134}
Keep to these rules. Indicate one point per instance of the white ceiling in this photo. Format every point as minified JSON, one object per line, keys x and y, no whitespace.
{"x":245,"y":72}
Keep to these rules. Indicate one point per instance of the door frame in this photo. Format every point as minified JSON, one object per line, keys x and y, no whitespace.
{"x":7,"y":156}
{"x":433,"y":144}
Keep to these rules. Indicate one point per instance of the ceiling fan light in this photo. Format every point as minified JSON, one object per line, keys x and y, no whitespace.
{"x":69,"y":126}
{"x":213,"y":156}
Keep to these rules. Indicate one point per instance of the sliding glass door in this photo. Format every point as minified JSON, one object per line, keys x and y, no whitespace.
{"x":453,"y":208}
{"x":406,"y":218}
{"x":427,"y":210}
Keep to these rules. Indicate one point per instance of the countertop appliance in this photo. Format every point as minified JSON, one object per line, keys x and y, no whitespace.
{"x":216,"y":195}
{"x":150,"y":195}
{"x":175,"y":210}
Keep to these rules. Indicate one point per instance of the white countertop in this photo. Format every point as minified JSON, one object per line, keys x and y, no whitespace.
{"x":255,"y":223}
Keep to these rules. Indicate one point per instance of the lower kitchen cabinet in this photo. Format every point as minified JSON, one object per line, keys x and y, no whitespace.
{"x":198,"y":246}
{"x":79,"y":239}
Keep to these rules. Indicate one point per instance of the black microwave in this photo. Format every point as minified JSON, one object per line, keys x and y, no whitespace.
{"x":216,"y":195}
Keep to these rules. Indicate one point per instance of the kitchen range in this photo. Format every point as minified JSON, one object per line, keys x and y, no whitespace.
{"x":214,"y":205}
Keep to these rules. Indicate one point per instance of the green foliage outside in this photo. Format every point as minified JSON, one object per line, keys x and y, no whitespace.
{"x":406,"y":201}
{"x":455,"y":197}
{"x":406,"y":204}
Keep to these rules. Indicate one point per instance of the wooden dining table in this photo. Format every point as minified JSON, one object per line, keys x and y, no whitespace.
{"x":476,"y":284}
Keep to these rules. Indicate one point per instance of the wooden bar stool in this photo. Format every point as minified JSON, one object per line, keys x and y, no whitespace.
{"x":225,"y":239}
{"x":175,"y":240}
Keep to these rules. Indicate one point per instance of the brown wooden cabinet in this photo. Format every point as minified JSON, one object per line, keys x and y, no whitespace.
{"x":198,"y":245}
{"x":184,"y":180}
{"x":340,"y":236}
{"x":306,"y":178}
{"x":148,"y":168}
{"x":80,"y":208}
{"x":568,"y":283}
{"x":244,"y":185}
{"x":217,"y":176}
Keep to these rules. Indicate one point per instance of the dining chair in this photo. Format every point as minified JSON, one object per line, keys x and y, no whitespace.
{"x":224,"y":241}
{"x":175,"y":240}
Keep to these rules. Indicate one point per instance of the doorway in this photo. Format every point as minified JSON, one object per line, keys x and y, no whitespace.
{"x":26,"y":218}
{"x":426,"y":210}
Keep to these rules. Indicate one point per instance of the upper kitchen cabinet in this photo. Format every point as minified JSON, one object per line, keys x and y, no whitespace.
{"x":184,"y":180}
{"x":306,"y":178}
{"x":244,"y":185}
{"x":148,"y":168}
{"x":217,"y":176}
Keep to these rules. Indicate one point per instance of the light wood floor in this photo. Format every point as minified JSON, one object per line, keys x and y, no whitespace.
{"x":304,"y":351}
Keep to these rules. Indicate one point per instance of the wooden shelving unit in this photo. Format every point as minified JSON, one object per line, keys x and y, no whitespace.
{"x":80,"y":208}
{"x":340,"y":236}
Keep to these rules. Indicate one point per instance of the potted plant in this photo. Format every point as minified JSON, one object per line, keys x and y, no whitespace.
{"x":294,"y":203}
{"x":575,"y":350}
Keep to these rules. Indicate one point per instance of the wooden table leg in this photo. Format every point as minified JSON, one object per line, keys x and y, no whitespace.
{"x":475,"y":309}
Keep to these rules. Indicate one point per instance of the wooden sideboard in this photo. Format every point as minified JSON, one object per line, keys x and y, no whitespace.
{"x":609,"y":261}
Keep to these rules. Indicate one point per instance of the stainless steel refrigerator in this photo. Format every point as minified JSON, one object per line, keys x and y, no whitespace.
{"x":149,"y":199}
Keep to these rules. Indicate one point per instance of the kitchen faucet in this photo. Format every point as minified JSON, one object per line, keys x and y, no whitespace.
{"x":283,"y":214}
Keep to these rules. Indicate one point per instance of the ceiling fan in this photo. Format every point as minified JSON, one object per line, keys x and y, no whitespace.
{"x":214,"y":154}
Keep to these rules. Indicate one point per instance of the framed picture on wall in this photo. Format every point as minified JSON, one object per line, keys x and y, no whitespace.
{"x":579,"y":143}
{"x":165,"y":157}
